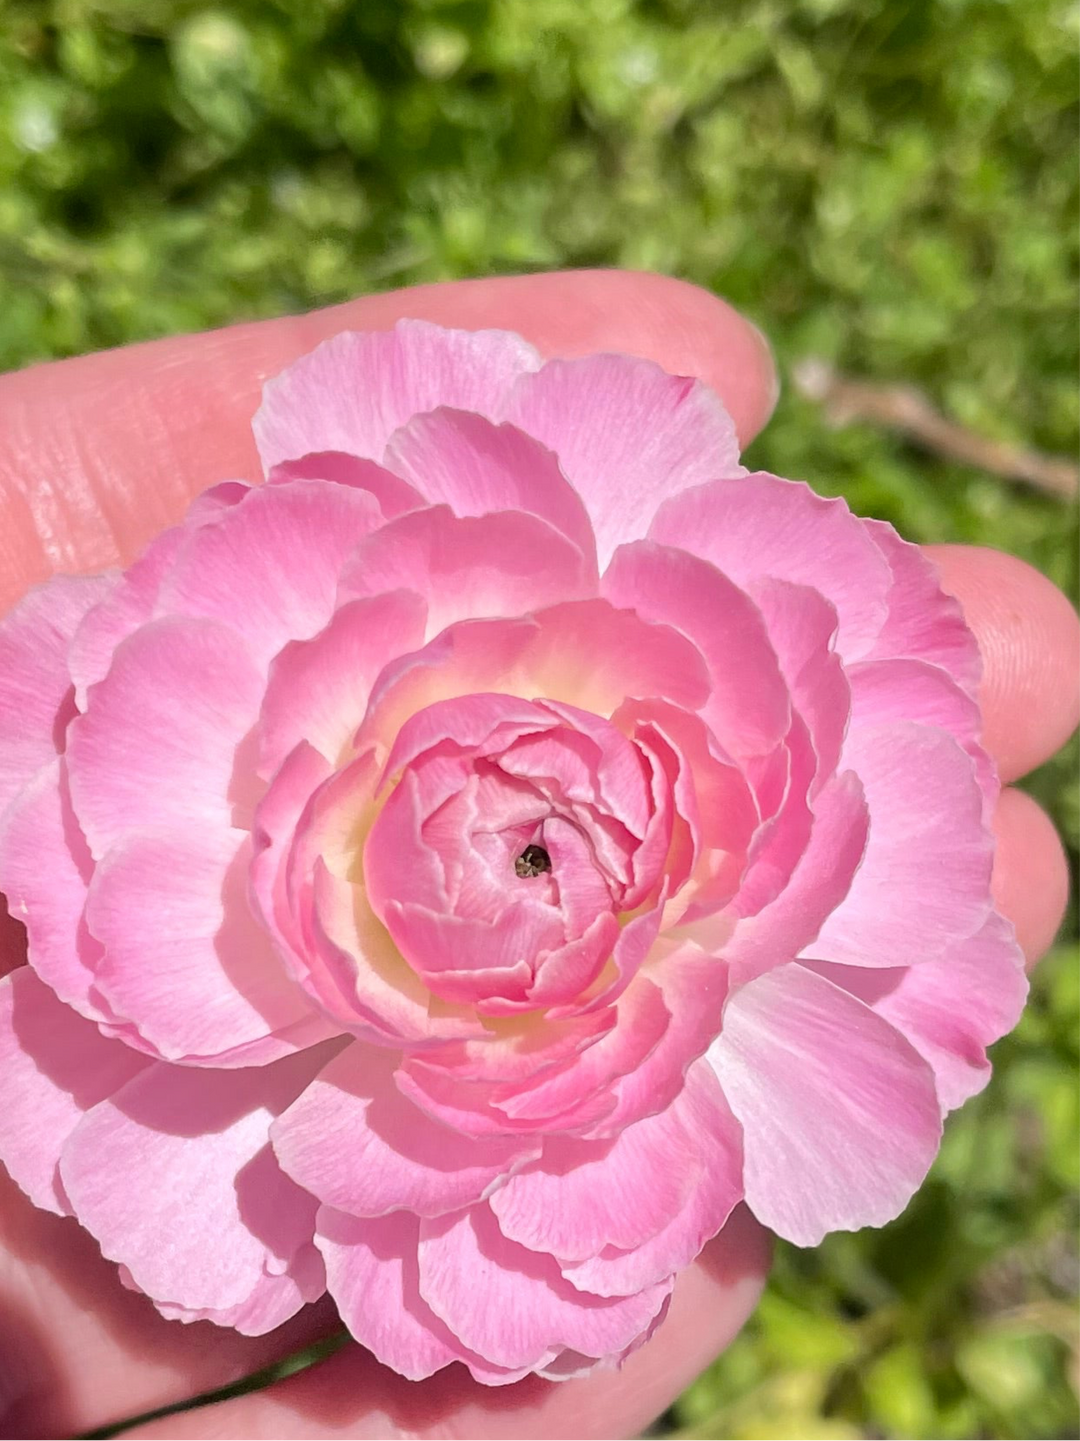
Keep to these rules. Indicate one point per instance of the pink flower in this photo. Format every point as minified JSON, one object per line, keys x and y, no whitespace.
{"x":460,"y":870}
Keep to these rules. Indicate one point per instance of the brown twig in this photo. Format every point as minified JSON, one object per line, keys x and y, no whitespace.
{"x":901,"y":408}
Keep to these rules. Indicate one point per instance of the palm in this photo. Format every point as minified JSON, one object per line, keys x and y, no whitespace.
{"x":128,"y":437}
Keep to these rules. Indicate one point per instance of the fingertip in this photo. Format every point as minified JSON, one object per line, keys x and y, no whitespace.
{"x":1029,"y":635}
{"x":1031,"y":872}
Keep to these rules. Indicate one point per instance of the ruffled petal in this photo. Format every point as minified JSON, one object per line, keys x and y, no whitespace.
{"x":839,"y":1114}
{"x":512,"y":1306}
{"x":924,"y":882}
{"x":176,"y":1154}
{"x":355,"y":389}
{"x":35,"y":680}
{"x":760,"y":526}
{"x":627,"y":435}
{"x":56,"y":1066}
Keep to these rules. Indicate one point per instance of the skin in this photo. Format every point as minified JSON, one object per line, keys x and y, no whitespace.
{"x":99,"y":453}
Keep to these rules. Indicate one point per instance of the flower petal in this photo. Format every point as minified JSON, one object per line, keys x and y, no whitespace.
{"x":758,"y":526}
{"x":924,"y":882}
{"x":318,"y":689}
{"x":950,"y":1009}
{"x":353,"y":391}
{"x":716,"y":1138}
{"x":459,"y":459}
{"x":352,"y":1139}
{"x":627,"y":434}
{"x":183,"y":958}
{"x":35,"y":681}
{"x":269,"y":568}
{"x":510,"y":1305}
{"x":176,"y":1154}
{"x":748,"y":716}
{"x":56,"y":1066}
{"x":157,"y":745}
{"x":505,"y":563}
{"x":839,"y":1115}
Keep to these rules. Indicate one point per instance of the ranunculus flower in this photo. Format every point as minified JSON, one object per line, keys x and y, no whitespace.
{"x":461,"y":869}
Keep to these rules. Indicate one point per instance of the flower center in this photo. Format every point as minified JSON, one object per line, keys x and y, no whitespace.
{"x":533,"y":861}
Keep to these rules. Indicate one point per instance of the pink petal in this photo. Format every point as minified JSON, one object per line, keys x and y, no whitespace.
{"x":131,"y":602}
{"x":883,"y":691}
{"x":177,"y":1154}
{"x":923,"y":622}
{"x":626,"y":434}
{"x":950,"y":1009}
{"x":716,"y":1164}
{"x":318,"y":689}
{"x":355,"y":390}
{"x":393,"y":495}
{"x":582,"y":1196}
{"x":818,"y":885}
{"x":56,"y":1066}
{"x":840,"y":1119}
{"x":184,"y":959}
{"x":506,"y":563}
{"x":749,"y":709}
{"x":35,"y":682}
{"x":802,"y":626}
{"x":924,"y":881}
{"x":157,"y":745}
{"x":269,"y":567}
{"x":45,"y":868}
{"x":510,"y":1305}
{"x":372,"y":1274}
{"x":353,"y":1140}
{"x":759,"y":526}
{"x":464,"y":461}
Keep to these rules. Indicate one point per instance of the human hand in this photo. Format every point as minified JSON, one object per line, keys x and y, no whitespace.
{"x":100,"y":453}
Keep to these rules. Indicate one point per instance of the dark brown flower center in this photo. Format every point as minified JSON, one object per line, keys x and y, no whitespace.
{"x":533,"y":861}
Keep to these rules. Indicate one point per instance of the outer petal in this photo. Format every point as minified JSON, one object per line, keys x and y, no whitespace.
{"x":759,"y":525}
{"x":394,"y":495}
{"x":355,"y":390}
{"x":35,"y":681}
{"x":923,"y":622}
{"x":157,"y":746}
{"x":506,"y":563}
{"x":749,"y":709}
{"x":883,"y":691}
{"x":475,"y":467}
{"x":817,"y":886}
{"x":318,"y":689}
{"x":177,"y":1154}
{"x":627,"y":434}
{"x":839,"y":1115}
{"x":269,"y":567}
{"x":924,"y":882}
{"x":353,"y":1140}
{"x":184,"y":959}
{"x":372,"y":1273}
{"x":55,"y":1067}
{"x":949,"y":1009}
{"x":717,"y":1166}
{"x":45,"y":868}
{"x":583,"y":1197}
{"x":510,"y":1305}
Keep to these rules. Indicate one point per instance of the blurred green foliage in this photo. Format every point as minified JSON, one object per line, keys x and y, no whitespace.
{"x":890,"y":185}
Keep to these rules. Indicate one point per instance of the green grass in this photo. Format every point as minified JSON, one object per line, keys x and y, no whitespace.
{"x":887,"y":184}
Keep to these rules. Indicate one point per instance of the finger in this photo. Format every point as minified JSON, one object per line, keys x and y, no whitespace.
{"x":351,"y":1395}
{"x":1031,"y":874}
{"x":99,"y":453}
{"x":1029,"y":636}
{"x":77,"y":1350}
